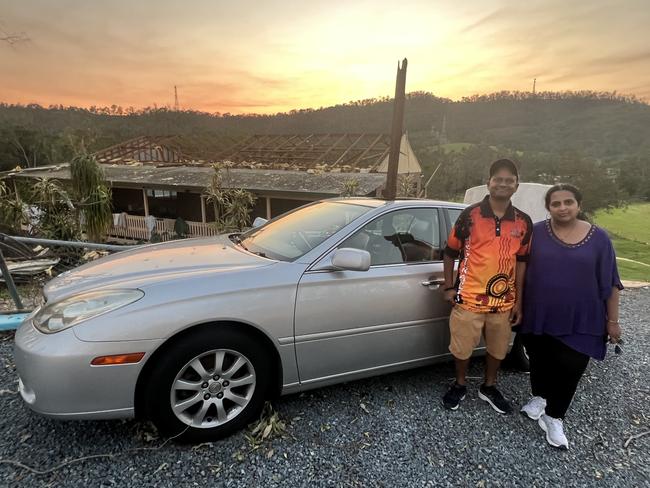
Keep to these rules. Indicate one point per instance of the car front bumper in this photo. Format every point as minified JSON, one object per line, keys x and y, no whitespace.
{"x":57,"y":380}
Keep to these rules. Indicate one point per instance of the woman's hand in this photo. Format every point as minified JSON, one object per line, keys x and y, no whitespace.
{"x":613,"y":331}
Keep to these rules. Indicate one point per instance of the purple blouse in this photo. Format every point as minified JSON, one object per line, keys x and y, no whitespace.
{"x":567,"y":286}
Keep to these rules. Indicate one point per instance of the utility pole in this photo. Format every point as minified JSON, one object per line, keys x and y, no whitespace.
{"x":175,"y":99}
{"x":534,"y":84}
{"x":396,"y":132}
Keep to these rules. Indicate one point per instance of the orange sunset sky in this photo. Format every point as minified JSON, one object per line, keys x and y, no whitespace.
{"x":276,"y":55}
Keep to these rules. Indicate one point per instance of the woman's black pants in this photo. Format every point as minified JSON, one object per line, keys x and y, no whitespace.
{"x":555,"y":371}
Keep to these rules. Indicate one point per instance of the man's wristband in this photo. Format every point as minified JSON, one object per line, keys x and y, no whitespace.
{"x":450,"y":288}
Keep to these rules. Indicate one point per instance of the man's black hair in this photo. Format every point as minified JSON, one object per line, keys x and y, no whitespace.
{"x":506,"y":164}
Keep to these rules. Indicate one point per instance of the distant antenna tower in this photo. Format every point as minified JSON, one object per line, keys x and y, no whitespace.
{"x":175,"y":98}
{"x":534,"y":84}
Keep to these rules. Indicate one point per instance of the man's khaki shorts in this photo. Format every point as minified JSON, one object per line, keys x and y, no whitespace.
{"x":467,"y":327}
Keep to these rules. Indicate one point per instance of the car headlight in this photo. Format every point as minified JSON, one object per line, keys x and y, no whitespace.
{"x":58,"y":316}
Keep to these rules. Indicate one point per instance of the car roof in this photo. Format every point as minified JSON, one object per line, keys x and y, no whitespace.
{"x":405,"y":202}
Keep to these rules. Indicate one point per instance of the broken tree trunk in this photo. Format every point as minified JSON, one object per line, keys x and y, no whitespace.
{"x":396,"y":132}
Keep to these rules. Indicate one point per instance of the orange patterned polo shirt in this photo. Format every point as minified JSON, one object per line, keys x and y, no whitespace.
{"x":488,"y":248}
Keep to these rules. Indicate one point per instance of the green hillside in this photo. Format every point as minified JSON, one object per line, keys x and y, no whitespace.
{"x":629,"y":228}
{"x":598,"y":141}
{"x":599,"y":125}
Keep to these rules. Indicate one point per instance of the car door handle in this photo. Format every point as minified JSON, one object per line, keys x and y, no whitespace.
{"x":433,"y":283}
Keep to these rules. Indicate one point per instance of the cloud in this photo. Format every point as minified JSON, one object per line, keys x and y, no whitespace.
{"x":239,"y":57}
{"x":623,"y":59}
{"x":485,"y":21}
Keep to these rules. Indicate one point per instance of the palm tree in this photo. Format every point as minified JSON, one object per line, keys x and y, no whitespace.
{"x":92,"y":195}
{"x":350,"y":187}
{"x":231,"y":205}
{"x":12,"y":210}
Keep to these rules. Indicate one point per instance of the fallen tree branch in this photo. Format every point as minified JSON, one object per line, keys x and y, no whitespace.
{"x":39,"y":472}
{"x":55,"y":468}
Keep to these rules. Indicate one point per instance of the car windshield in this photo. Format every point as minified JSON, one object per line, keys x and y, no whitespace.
{"x":296,"y":233}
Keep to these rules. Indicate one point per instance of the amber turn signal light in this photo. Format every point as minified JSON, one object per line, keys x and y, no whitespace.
{"x":130,"y":358}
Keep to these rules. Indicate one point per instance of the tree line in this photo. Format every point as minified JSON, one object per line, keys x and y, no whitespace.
{"x":600,"y":139}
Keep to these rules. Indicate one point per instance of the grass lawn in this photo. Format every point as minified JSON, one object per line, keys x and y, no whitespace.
{"x":630,"y":231}
{"x":631,"y":222}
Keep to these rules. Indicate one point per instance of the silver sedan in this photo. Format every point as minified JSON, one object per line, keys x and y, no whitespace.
{"x":196,"y":334}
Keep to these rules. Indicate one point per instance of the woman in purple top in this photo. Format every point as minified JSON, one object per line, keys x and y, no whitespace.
{"x":570,"y":307}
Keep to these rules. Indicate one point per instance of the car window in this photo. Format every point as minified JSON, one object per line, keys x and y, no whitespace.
{"x":293,"y":234}
{"x":402,"y":236}
{"x":454,"y":213}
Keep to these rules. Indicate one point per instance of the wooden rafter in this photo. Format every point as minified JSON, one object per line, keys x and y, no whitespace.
{"x":350,"y":147}
{"x":315,"y":147}
{"x":293,"y":148}
{"x":252,"y":140}
{"x":322,"y":157}
{"x":159,"y":149}
{"x":230,"y":149}
{"x":380,"y":159}
{"x":372,"y":144}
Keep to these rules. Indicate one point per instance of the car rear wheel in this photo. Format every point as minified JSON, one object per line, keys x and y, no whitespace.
{"x":208,"y":385}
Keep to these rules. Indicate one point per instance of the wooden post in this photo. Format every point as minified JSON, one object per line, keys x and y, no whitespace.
{"x":13,"y":292}
{"x":396,"y":132}
{"x":146,"y":202}
{"x":203,"y":217}
{"x":268,"y":208}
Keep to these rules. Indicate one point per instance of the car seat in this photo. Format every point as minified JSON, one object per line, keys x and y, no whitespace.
{"x":385,"y":248}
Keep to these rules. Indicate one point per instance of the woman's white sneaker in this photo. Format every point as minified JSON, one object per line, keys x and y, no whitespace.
{"x":534,"y":408}
{"x":554,"y":431}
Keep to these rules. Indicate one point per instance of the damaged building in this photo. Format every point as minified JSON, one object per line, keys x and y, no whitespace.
{"x":165,"y":177}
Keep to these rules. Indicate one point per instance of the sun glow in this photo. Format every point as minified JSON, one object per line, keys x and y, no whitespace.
{"x":279,"y":55}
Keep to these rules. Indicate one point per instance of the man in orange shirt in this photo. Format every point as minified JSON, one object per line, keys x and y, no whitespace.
{"x":491,"y":240}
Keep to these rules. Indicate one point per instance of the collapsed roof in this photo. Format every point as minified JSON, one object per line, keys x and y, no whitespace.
{"x":317,"y":185}
{"x":346,"y":153}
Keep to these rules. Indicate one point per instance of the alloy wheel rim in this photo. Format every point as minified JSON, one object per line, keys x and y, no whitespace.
{"x":212,"y":388}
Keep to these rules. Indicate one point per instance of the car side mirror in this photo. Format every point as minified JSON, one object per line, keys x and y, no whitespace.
{"x":259,"y":221}
{"x":351,"y":259}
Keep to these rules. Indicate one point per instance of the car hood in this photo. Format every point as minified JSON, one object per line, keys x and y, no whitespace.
{"x":154,"y":263}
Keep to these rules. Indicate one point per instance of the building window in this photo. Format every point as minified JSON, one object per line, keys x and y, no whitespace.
{"x":161,"y":193}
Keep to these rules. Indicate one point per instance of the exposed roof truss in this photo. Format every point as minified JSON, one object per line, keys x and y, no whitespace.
{"x":318,"y":152}
{"x":347,"y":152}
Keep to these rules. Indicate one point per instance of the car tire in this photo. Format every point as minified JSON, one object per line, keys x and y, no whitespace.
{"x":517,"y":358}
{"x":186,"y":375}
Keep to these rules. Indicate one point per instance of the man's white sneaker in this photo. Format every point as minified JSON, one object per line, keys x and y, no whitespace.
{"x":534,"y":408}
{"x":554,"y":431}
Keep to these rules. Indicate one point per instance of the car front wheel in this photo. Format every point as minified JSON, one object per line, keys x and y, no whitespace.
{"x":208,"y":385}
